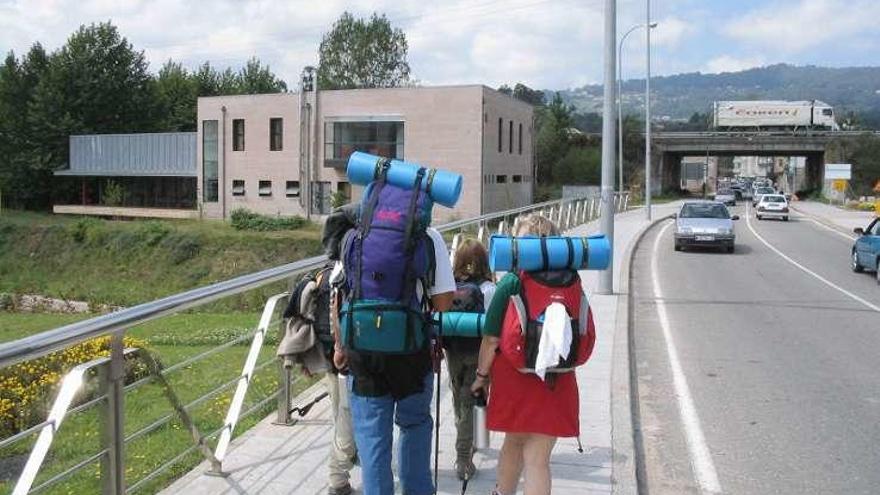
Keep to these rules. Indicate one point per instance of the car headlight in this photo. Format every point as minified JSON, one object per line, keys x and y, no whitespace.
{"x":725,"y":231}
{"x":685,"y":230}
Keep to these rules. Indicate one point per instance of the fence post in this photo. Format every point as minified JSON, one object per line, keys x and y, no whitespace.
{"x":625,"y":201}
{"x":481,"y":234}
{"x":282,"y":416}
{"x":516,"y":221}
{"x":568,"y":216}
{"x":112,"y":417}
{"x":502,"y":227}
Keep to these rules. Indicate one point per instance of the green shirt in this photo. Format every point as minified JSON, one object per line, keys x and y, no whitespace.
{"x":508,"y":286}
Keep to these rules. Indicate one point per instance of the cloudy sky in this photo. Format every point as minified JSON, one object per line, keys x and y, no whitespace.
{"x":546,"y":44}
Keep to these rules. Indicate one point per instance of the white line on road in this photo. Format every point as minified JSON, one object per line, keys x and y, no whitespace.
{"x":820,"y":224}
{"x":701,"y":458}
{"x":810,"y":272}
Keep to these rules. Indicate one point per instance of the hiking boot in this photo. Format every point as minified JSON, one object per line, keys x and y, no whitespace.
{"x":465,"y":469}
{"x":342,"y":490}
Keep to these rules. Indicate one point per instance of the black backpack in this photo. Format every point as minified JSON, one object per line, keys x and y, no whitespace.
{"x":314,"y":286}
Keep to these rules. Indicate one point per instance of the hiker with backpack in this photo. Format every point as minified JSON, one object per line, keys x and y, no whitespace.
{"x":534,"y":319}
{"x":474,"y":288}
{"x":309,"y":328}
{"x":396,"y":273}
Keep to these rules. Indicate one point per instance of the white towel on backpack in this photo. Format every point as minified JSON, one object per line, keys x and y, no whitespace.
{"x":555,"y":340}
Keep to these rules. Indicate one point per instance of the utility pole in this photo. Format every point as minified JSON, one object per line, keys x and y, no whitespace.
{"x":606,"y":278}
{"x":648,"y":111}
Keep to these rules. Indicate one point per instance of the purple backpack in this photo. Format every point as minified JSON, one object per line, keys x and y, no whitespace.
{"x":389,"y":264}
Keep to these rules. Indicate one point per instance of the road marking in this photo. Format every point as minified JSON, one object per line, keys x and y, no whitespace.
{"x":820,"y":224}
{"x":701,"y":458}
{"x":811,"y":272}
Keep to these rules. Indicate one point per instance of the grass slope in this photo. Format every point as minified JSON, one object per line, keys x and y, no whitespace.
{"x":129,"y":262}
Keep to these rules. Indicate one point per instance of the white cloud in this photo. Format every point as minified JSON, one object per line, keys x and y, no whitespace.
{"x":671,"y":31}
{"x":727,"y":63}
{"x":795,"y":26}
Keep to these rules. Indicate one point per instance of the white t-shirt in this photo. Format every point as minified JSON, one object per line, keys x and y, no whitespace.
{"x":444,"y":281}
{"x":488,"y":290}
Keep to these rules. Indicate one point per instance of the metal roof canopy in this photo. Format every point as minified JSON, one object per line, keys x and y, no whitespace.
{"x":167,"y":154}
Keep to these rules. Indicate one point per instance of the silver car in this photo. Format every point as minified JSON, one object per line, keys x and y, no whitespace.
{"x":726,"y":196}
{"x":704,"y":224}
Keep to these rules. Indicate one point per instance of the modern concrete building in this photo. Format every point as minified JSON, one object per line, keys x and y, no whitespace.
{"x":138,"y":175}
{"x":285,"y":154}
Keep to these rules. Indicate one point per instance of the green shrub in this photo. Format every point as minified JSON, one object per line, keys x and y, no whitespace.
{"x":114,"y":194}
{"x":181,"y":246}
{"x":153,"y":232}
{"x":80,"y":229}
{"x":244,"y":219}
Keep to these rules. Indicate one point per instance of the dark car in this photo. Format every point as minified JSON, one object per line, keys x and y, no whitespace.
{"x":866,"y":250}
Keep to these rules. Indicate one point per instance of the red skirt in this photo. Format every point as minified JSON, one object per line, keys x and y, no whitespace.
{"x":523,"y":403}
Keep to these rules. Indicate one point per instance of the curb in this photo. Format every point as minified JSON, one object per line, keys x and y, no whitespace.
{"x":625,"y":428}
{"x":823,"y":221}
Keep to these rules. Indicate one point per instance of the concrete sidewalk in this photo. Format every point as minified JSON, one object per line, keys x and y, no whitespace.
{"x":272,"y":459}
{"x":833,"y":216}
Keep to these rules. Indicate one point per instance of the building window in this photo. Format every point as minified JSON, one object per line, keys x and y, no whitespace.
{"x":292,"y":188}
{"x":500,"y":132}
{"x":520,"y":138}
{"x":501,"y":179}
{"x":341,"y":139}
{"x":238,"y":187}
{"x":238,"y":135}
{"x":510,"y":139}
{"x":276,"y":134}
{"x":265,"y":188}
{"x":321,"y":197}
{"x":517,"y":179}
{"x":343,"y":189}
{"x":210,"y":184}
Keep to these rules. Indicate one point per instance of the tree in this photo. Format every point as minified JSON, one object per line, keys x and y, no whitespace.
{"x":363,"y":54}
{"x":17,"y":83}
{"x":531,"y":96}
{"x":255,"y":78}
{"x":96,"y":83}
{"x":524,"y":93}
{"x":562,"y":113}
{"x":176,"y":92}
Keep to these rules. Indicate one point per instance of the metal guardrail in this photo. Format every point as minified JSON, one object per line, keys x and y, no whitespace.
{"x":566,"y":213}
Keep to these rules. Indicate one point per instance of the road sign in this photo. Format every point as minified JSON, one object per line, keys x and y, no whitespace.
{"x":838,"y":171}
{"x":838,"y":185}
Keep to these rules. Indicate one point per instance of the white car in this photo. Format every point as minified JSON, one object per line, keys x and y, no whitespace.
{"x":772,"y":206}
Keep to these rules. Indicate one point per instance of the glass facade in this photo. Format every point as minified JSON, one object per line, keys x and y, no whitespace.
{"x":341,"y":139}
{"x":210,"y":183}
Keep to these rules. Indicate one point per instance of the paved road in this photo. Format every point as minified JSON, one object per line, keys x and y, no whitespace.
{"x":766,"y":378}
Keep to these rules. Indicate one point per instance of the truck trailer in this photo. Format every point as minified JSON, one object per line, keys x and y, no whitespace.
{"x":773,"y":115}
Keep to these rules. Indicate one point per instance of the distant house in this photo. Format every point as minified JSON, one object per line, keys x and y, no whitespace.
{"x":139,"y":175}
{"x":286,"y":154}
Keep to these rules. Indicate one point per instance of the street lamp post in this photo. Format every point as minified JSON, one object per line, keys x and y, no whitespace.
{"x":648,"y":110}
{"x":620,"y":102}
{"x":606,"y":278}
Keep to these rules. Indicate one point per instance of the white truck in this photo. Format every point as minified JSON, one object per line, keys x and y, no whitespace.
{"x":773,"y":115}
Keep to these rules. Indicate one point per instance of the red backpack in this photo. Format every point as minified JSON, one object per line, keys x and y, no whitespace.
{"x":519,"y":342}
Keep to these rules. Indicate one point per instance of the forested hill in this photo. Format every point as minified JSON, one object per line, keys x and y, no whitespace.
{"x":851,"y":89}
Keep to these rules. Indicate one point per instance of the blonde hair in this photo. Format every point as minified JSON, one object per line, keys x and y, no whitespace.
{"x":471,"y":262}
{"x":535,"y":224}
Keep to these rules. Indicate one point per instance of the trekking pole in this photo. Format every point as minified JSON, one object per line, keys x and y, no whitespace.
{"x":437,"y":406}
{"x":303,"y":410}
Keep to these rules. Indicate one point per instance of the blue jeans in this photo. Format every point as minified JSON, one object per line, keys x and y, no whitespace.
{"x":373,"y":434}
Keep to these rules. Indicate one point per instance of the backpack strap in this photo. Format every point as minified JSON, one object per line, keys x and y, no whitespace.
{"x":570,"y":253}
{"x":586,"y":251}
{"x":520,"y":307}
{"x":545,"y":256}
{"x":514,"y":254}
